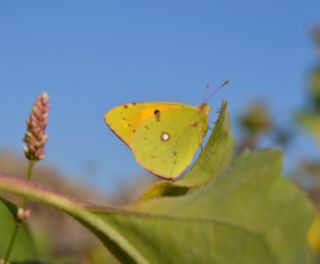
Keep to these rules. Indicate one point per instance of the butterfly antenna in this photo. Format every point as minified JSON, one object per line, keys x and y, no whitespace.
{"x":216,"y":90}
{"x":206,"y":89}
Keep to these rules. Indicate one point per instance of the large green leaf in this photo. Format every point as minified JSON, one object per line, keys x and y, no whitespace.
{"x":248,"y":214}
{"x":24,"y":247}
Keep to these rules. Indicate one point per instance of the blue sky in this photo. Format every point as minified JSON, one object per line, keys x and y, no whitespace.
{"x":93,"y":55}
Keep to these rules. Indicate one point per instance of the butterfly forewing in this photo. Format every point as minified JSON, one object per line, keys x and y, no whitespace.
{"x":125,"y":119}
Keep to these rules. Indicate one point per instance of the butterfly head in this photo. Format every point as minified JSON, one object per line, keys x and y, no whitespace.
{"x":204,"y":108}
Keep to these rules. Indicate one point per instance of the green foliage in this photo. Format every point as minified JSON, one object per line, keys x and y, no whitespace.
{"x":309,"y":118}
{"x":256,"y":119}
{"x":315,"y":88}
{"x":24,"y":247}
{"x":251,"y":217}
{"x":246,"y":212}
{"x":314,"y":234}
{"x":311,"y":123}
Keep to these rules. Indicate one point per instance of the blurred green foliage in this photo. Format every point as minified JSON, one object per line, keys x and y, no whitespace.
{"x":256,"y":119}
{"x":315,"y":88}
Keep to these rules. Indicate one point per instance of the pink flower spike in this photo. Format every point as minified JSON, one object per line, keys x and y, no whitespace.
{"x":35,"y":136}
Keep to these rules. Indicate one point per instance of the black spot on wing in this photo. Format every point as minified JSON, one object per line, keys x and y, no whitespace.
{"x":157,"y":114}
{"x":194,"y":125}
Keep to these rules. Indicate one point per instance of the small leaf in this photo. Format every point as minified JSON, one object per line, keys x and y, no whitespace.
{"x":11,"y":206}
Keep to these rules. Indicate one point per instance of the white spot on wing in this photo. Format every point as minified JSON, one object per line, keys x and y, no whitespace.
{"x":165,"y":136}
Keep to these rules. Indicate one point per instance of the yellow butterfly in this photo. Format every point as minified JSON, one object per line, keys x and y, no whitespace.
{"x":163,"y":136}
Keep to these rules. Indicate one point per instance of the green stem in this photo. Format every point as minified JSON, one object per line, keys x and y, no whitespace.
{"x":13,"y":238}
{"x":17,"y":220}
{"x":28,"y":177}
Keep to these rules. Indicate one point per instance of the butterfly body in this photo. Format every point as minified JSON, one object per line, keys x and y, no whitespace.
{"x":163,"y":136}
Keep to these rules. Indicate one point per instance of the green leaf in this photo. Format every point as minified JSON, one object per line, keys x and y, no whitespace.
{"x":10,"y":206}
{"x":248,"y":214}
{"x":111,"y":238}
{"x":212,"y":160}
{"x":24,"y":247}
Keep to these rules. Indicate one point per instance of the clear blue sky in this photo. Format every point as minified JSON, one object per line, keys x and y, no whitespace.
{"x":92,"y":55}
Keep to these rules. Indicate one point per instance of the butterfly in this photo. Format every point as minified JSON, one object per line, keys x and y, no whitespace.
{"x":163,"y":136}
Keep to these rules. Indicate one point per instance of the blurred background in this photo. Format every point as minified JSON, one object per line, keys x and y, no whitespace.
{"x":92,"y":56}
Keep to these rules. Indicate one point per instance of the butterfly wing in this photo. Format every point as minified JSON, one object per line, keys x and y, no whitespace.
{"x":166,"y":145}
{"x":123,"y":120}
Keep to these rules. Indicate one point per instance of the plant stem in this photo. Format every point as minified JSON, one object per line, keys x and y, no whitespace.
{"x":28,"y":177}
{"x":17,"y":220}
{"x":13,"y":238}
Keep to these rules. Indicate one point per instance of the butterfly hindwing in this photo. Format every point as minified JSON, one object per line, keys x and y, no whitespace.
{"x":166,"y":143}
